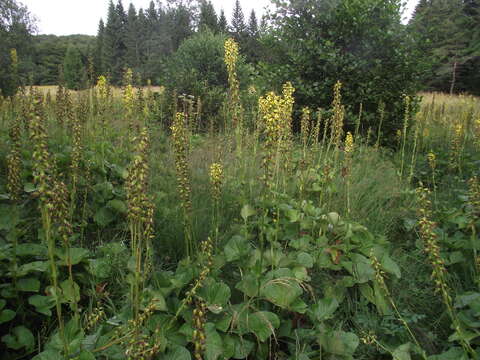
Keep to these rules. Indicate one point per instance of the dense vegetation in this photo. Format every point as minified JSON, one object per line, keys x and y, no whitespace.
{"x":336,"y":217}
{"x":448,"y":32}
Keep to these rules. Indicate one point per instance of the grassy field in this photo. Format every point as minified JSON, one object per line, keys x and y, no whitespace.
{"x":117,"y":92}
{"x":126,"y":233}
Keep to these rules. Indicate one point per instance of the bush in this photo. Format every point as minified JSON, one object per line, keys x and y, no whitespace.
{"x":360,"y":43}
{"x":197,"y":68}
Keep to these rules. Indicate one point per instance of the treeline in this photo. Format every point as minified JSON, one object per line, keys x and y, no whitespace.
{"x":449,"y":33}
{"x":144,"y":39}
{"x":49,"y":54}
{"x":313,"y":44}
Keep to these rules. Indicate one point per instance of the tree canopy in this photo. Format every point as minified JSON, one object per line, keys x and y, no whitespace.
{"x":16,"y":28}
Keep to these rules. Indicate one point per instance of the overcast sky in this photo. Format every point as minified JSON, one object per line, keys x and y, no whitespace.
{"x":65,"y":17}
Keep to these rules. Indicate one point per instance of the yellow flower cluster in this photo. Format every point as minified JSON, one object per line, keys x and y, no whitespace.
{"x":102,"y":88}
{"x":276,"y":114}
{"x":349,"y":143}
{"x":456,"y":146}
{"x":180,"y":144}
{"x":231,"y":58}
{"x":474,"y":195}
{"x":338,"y":114}
{"x":93,"y":318}
{"x":199,"y":320}
{"x":128,"y":93}
{"x":231,"y":55}
{"x":14,"y":59}
{"x":432,"y":160}
{"x":429,"y":237}
{"x":477,"y":133}
{"x":305,"y":125}
{"x":216,"y":180}
{"x":14,"y":162}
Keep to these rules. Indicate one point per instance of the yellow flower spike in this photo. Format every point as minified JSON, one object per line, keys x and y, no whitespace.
{"x":349,"y":143}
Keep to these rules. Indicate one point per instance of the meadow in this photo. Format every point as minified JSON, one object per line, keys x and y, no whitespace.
{"x":131,"y":227}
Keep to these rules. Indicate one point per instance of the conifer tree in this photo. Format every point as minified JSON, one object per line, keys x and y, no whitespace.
{"x":98,"y":55}
{"x":251,"y":43}
{"x":238,"y":22}
{"x":208,"y":16}
{"x":73,"y":68}
{"x":252,"y":29}
{"x":132,"y":39}
{"x":222,"y":23}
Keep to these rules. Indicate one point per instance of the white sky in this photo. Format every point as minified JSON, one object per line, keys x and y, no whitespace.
{"x":65,"y":17}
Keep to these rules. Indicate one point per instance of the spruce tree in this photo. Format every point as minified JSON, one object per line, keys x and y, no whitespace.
{"x":208,"y":17}
{"x":132,"y":39}
{"x":98,"y":55}
{"x":114,"y":46}
{"x":222,"y":23}
{"x":251,"y":43}
{"x":439,"y":26}
{"x":238,"y":28}
{"x":73,"y":68}
{"x":252,"y":29}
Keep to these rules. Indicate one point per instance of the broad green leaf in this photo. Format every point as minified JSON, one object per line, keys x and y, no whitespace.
{"x":28,"y":284}
{"x":248,"y":285}
{"x":216,"y":295}
{"x":293,"y":215}
{"x":177,"y":353}
{"x":86,"y":355}
{"x":471,"y":299}
{"x":380,"y":301}
{"x":263,"y":324}
{"x":2,"y":303}
{"x":456,"y":257}
{"x":77,"y":255}
{"x":390,"y":266}
{"x":246,"y":212}
{"x":29,"y":188}
{"x":70,"y":291}
{"x":324,"y":309}
{"x":31,"y":250}
{"x":213,"y":343}
{"x":237,"y":347}
{"x":367,"y":292}
{"x":402,"y":352}
{"x":118,"y":206}
{"x":305,"y":259}
{"x":104,"y":216}
{"x":42,"y":304}
{"x":40,"y":266}
{"x":19,"y":337}
{"x":281,"y":288}
{"x":155,"y":298}
{"x":339,"y":342}
{"x":362,"y":268}
{"x":6,"y":315}
{"x":333,"y":218}
{"x":49,"y":354}
{"x":454,"y":353}
{"x":236,"y":248}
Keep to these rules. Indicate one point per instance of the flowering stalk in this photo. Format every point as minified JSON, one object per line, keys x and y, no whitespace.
{"x":349,"y":147}
{"x":216,"y":181}
{"x":380,"y":279}
{"x":439,"y":271}
{"x":404,"y":133}
{"x":140,"y":217}
{"x":181,"y":148}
